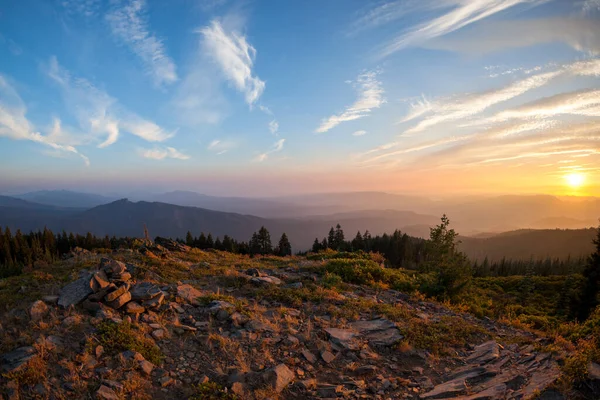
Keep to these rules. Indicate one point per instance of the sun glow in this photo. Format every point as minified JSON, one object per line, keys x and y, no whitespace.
{"x":575,"y":180}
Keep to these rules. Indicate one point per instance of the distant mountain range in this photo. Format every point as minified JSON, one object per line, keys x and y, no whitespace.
{"x":305,"y":217}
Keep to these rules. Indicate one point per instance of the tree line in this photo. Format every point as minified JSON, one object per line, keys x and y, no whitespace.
{"x":259,"y":244}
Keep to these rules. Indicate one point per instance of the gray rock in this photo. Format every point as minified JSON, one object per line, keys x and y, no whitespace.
{"x":485,"y":353}
{"x":327,"y":356}
{"x":146,"y":367}
{"x":330,"y":391}
{"x":99,"y":281}
{"x":310,"y":357}
{"x":75,"y":292}
{"x":279,"y":377}
{"x":188,"y":292}
{"x":446,"y":390}
{"x":53,"y":299}
{"x":120,"y":301}
{"x":134,"y":308}
{"x":295,"y":285}
{"x":117,"y":293}
{"x":343,"y":337}
{"x":17,"y":359}
{"x":266,"y":280}
{"x":106,"y":393}
{"x":144,"y":291}
{"x":379,"y":332}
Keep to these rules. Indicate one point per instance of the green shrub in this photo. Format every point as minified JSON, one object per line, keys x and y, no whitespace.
{"x":212,"y":391}
{"x":116,"y":338}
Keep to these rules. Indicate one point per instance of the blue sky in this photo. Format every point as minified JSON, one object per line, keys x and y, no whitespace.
{"x":272,"y":97}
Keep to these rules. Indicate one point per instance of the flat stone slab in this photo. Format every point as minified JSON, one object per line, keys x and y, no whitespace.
{"x":144,"y":291}
{"x":378,"y":332}
{"x":16,"y":359}
{"x":266,"y":280}
{"x":485,"y":353}
{"x":75,"y":292}
{"x":188,"y":292}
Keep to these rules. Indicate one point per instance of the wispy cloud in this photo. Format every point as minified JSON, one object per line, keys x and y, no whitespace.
{"x":159,"y":153}
{"x":274,"y":127}
{"x":15,"y":125}
{"x":277,"y":147}
{"x":87,"y":8}
{"x":221,"y":146}
{"x":235,"y":57}
{"x":370,"y":97}
{"x":462,"y":107}
{"x":459,"y":15}
{"x":129,"y":25}
{"x":579,"y":33}
{"x":359,"y":133}
{"x":99,"y":113}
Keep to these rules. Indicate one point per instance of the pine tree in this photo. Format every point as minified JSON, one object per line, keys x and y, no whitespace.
{"x":331,"y":238}
{"x":202,"y":241}
{"x":324,"y":244}
{"x":210,"y":244}
{"x":189,"y":239}
{"x":285,"y":248}
{"x":339,"y":238}
{"x":357,"y":242}
{"x":591,"y":274}
{"x":264,"y":241}
{"x":316,"y":246}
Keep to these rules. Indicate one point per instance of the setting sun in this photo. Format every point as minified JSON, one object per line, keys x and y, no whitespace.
{"x":575,"y":180}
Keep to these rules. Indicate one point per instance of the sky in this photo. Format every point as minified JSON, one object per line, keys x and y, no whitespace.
{"x":260,"y":98}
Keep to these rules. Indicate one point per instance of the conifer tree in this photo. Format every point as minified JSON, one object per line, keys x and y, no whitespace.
{"x":316,"y":246}
{"x":591,"y":274}
{"x":189,"y":239}
{"x":284,"y":247}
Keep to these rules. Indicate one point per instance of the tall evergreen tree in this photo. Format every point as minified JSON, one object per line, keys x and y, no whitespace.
{"x":331,"y":238}
{"x":284,"y":247}
{"x":264,"y":241}
{"x":316,"y":246}
{"x":189,"y":239}
{"x":591,"y":274}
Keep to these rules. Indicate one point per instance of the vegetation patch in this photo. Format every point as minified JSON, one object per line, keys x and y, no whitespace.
{"x":212,"y":391}
{"x":116,"y":338}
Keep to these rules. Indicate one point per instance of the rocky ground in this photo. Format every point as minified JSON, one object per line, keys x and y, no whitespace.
{"x":169,"y":322}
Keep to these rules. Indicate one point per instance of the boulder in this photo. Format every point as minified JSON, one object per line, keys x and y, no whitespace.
{"x":75,"y":292}
{"x":327,"y":356}
{"x":343,"y":337}
{"x":116,"y":293}
{"x":266,"y":280}
{"x":485,"y":352}
{"x":17,"y":359}
{"x":279,"y":377}
{"x":144,"y":291}
{"x":106,"y":393}
{"x":112,"y":267}
{"x":155,"y":301}
{"x":378,"y":332}
{"x":38,"y":311}
{"x":171,"y":245}
{"x":99,"y":281}
{"x":134,"y":308}
{"x":120,"y":301}
{"x":188,"y":292}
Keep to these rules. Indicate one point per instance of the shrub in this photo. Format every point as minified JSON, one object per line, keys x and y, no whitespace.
{"x":212,"y":391}
{"x":116,"y":338}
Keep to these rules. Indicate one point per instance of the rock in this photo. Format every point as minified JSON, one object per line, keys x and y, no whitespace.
{"x":446,"y":390}
{"x":171,"y":245}
{"x":155,"y":301}
{"x":254,"y":272}
{"x":99,"y":281}
{"x":327,"y":356}
{"x":158,"y":334}
{"x":485,"y":352}
{"x":106,"y":393}
{"x":17,"y":359}
{"x":295,"y":285}
{"x":343,"y":337}
{"x":117,"y":293}
{"x":239,"y":389}
{"x":278,"y":377}
{"x":144,"y":291}
{"x":238,"y":319}
{"x":120,"y":301}
{"x":292,"y":340}
{"x":75,"y":292}
{"x":188,"y":292}
{"x":366,"y":370}
{"x":310,"y":357}
{"x":50,"y":299}
{"x":266,"y":280}
{"x":146,"y":367}
{"x":134,"y":308}
{"x":165,"y":381}
{"x":38,"y":311}
{"x":308,"y":384}
{"x":91,"y":306}
{"x":112,"y":267}
{"x":594,"y":371}
{"x":130,"y":355}
{"x":256,"y":325}
{"x":379,"y":332}
{"x":330,"y":391}
{"x":99,"y":295}
{"x":123,"y":277}
{"x":113,"y":384}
